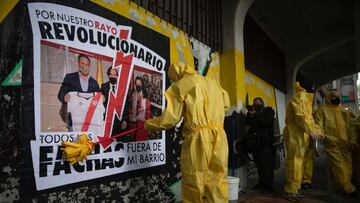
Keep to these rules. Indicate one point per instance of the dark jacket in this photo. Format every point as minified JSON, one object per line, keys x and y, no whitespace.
{"x":261,"y":126}
{"x":105,"y":88}
{"x":71,"y":83}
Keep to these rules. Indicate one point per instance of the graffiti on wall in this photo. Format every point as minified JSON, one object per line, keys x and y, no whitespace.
{"x":202,"y":56}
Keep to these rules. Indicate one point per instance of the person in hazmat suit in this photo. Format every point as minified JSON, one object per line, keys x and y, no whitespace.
{"x":204,"y":152}
{"x":355,"y":153}
{"x":306,"y":184}
{"x":335,"y":123}
{"x":300,"y":128}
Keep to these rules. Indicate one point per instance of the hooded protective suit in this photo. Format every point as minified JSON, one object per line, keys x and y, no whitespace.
{"x":356,"y":152}
{"x":309,"y":163}
{"x":334,"y":122}
{"x":204,"y":153}
{"x":299,"y":124}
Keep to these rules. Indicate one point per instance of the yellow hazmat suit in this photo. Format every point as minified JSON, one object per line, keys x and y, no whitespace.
{"x":334,"y":122}
{"x":308,"y":163}
{"x":204,"y":153}
{"x":309,"y":160}
{"x":356,"y":152}
{"x":299,"y":124}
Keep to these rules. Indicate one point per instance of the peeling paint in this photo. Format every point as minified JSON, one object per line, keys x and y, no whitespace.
{"x":135,"y":15}
{"x":202,"y":56}
{"x":180,"y":52}
{"x":112,"y":2}
{"x":150,"y":21}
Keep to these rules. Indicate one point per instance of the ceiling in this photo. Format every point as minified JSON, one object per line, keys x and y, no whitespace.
{"x":320,"y":37}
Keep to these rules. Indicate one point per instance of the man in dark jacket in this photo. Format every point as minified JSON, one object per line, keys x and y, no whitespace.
{"x":111,"y":86}
{"x":260,"y":120}
{"x":79,"y":81}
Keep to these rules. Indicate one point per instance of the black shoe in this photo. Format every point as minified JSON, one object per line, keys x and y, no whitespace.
{"x":300,"y":195}
{"x":292,"y":197}
{"x":307,"y":187}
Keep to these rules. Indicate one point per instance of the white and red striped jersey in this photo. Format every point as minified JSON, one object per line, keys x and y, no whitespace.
{"x":87,"y":112}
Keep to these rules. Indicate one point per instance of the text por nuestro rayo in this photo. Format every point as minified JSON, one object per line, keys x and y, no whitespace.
{"x":68,"y":27}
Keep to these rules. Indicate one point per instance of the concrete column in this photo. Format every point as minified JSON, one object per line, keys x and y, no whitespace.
{"x":232,"y":64}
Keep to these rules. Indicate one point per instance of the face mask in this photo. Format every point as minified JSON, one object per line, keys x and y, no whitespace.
{"x":335,"y":101}
{"x":258,"y":107}
{"x":138,"y":88}
{"x":113,"y":81}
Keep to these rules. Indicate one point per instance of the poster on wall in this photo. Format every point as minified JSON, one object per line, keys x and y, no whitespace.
{"x":91,"y":76}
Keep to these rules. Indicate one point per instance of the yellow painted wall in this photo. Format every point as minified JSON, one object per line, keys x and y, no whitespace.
{"x":5,"y":7}
{"x":233,"y":77}
{"x":228,"y":80}
{"x":180,"y":49}
{"x":240,"y":77}
{"x":239,"y":82}
{"x":256,"y":87}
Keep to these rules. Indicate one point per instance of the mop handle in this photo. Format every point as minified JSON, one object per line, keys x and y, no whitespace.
{"x":116,"y":136}
{"x":122,"y":133}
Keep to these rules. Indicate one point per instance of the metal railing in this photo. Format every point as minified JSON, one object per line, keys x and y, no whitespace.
{"x":200,"y":19}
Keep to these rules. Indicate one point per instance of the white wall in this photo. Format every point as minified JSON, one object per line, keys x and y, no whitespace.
{"x":281,"y":109}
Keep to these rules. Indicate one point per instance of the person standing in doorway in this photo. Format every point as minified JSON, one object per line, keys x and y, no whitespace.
{"x":260,"y":120}
{"x":335,"y":123}
{"x":300,"y":128}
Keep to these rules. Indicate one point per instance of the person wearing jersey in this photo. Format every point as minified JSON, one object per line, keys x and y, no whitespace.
{"x":79,"y":81}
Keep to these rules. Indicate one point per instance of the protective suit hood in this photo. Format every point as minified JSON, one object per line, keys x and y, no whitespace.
{"x":298,"y":88}
{"x":328,"y":98}
{"x":178,"y":70}
{"x":336,"y":123}
{"x":299,"y":124}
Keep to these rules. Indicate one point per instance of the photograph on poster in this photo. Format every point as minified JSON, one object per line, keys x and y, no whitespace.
{"x":144,"y":103}
{"x":66,"y":103}
{"x":70,"y":87}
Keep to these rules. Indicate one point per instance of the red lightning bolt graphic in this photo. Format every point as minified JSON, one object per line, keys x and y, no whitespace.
{"x":116,"y":102}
